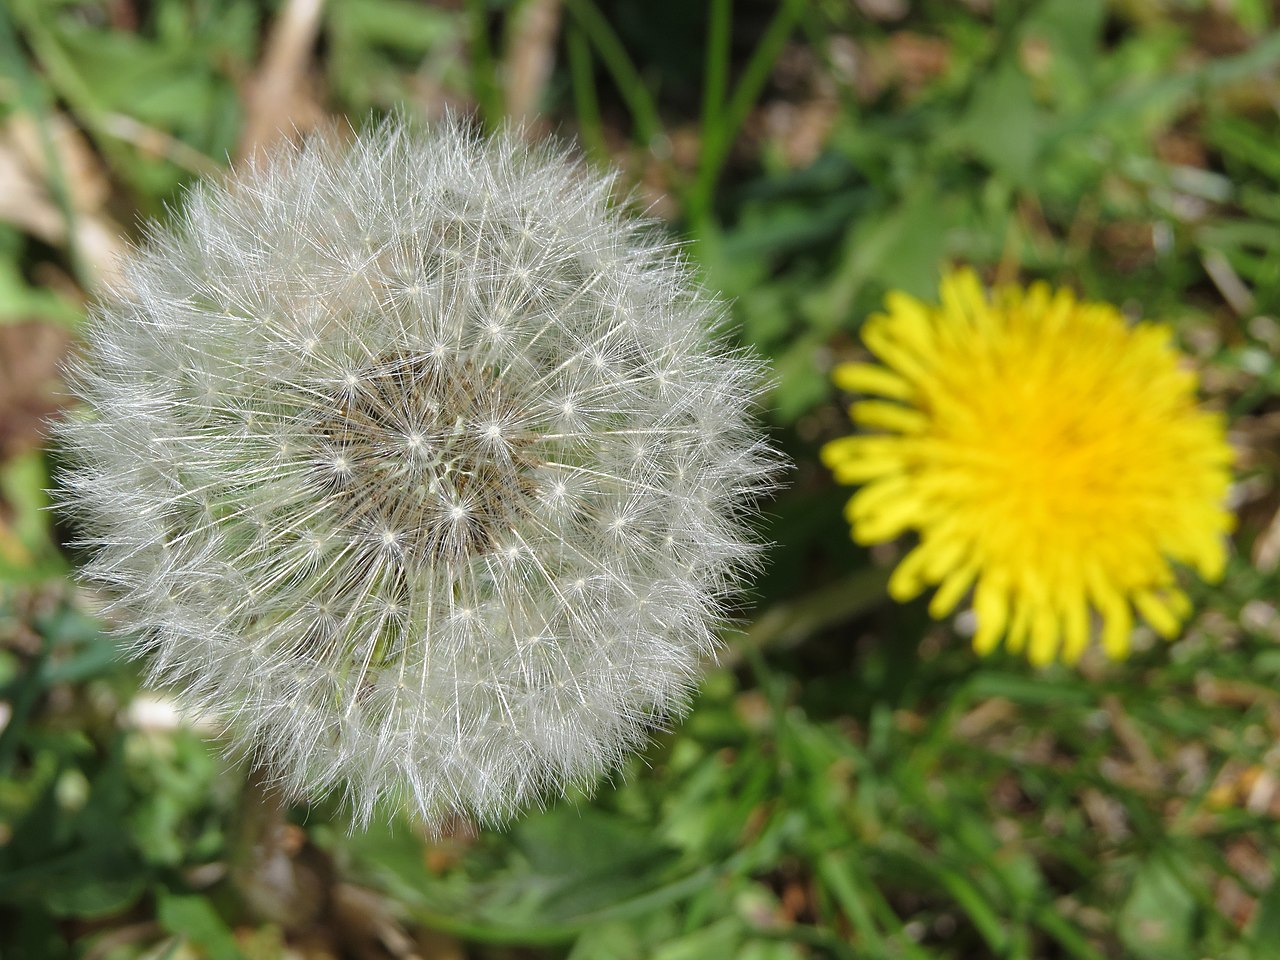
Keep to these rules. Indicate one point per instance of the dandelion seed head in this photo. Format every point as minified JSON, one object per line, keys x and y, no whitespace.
{"x":423,"y":464}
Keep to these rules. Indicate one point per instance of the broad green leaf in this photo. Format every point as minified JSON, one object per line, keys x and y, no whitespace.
{"x":1157,"y":920}
{"x":193,"y":918}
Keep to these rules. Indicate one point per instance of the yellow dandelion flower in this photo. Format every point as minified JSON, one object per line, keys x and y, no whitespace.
{"x":1051,"y":457}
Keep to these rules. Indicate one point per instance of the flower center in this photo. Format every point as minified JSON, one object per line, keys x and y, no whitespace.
{"x":1060,"y":472}
{"x":422,"y":458}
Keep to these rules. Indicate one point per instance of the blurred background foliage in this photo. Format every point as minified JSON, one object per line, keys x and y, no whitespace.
{"x":852,"y":782}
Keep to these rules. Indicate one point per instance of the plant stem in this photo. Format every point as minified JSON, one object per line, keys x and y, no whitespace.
{"x":280,"y":877}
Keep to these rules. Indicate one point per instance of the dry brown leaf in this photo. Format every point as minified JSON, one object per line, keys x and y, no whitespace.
{"x":30,"y":387}
{"x":531,"y":57}
{"x":28,"y":201}
{"x":278,"y":98}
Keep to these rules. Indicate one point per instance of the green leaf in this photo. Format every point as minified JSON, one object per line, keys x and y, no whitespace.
{"x":27,"y":552}
{"x":193,"y":918}
{"x":98,"y":883}
{"x":1003,"y":126}
{"x":1265,"y":930}
{"x":583,"y":860}
{"x":1157,"y":920}
{"x":721,"y":939}
{"x":368,"y":37}
{"x":559,"y":873}
{"x":1034,"y":691}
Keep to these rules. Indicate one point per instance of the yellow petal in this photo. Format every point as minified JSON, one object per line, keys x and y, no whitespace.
{"x":882,"y":511}
{"x":1117,"y":626}
{"x":1046,"y":635}
{"x":1075,"y":628}
{"x":1019,"y":624}
{"x":1157,"y":612}
{"x":859,"y":459}
{"x":888,"y":416}
{"x":869,"y":378}
{"x":905,"y":582}
{"x":952,"y":590}
{"x":991,"y":608}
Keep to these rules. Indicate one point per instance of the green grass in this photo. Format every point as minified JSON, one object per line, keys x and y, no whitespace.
{"x":852,"y":782}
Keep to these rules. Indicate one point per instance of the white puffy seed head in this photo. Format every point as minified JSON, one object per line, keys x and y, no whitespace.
{"x":421,"y":464}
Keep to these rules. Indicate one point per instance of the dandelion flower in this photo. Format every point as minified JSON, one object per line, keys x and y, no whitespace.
{"x":420,"y":463}
{"x":1050,"y":456}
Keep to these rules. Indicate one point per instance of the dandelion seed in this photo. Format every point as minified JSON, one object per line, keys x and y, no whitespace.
{"x":359,"y":458}
{"x":1051,"y":457}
